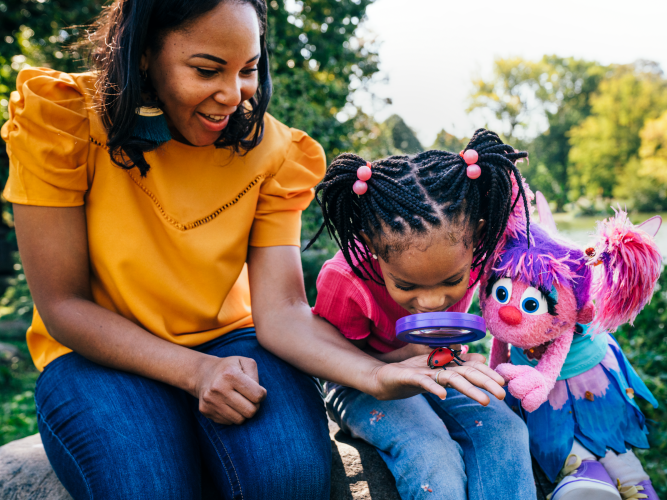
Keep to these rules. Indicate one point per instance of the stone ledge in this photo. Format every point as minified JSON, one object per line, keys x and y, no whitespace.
{"x":357,"y":472}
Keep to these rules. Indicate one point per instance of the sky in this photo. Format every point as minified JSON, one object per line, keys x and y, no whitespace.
{"x":431,"y":49}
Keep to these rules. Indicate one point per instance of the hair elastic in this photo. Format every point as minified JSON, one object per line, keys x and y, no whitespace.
{"x":470,"y":157}
{"x":363,"y":174}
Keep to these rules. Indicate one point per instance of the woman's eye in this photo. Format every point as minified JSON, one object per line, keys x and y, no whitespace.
{"x":404,"y":288}
{"x":249,"y":71}
{"x":206,"y":72}
{"x":533,"y":302}
{"x":502,"y":290}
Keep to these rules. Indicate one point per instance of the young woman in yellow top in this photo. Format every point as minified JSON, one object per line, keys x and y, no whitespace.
{"x":143,"y":255}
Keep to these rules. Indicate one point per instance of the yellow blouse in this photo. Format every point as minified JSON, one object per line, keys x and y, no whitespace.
{"x":167,"y":251}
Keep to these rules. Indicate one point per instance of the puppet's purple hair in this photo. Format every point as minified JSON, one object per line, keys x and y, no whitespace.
{"x":547,"y":262}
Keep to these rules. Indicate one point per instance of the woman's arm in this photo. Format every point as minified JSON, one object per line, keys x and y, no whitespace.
{"x":53,"y":244}
{"x":286,"y":326}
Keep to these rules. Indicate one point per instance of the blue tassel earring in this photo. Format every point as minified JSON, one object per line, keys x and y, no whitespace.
{"x":151,"y":124}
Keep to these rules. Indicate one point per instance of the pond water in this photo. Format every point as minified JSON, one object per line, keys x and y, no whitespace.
{"x":581,"y":230}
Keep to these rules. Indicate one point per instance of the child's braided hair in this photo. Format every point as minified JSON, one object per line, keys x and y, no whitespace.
{"x":418,"y":192}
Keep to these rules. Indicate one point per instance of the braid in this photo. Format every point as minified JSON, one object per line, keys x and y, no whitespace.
{"x":414,"y":193}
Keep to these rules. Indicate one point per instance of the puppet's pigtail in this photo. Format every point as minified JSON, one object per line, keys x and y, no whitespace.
{"x":627,"y":264}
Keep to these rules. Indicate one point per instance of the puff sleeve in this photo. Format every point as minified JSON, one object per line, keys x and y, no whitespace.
{"x":287,"y":193}
{"x":47,"y":138}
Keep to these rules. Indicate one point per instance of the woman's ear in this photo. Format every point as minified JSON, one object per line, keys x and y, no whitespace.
{"x":586,"y":313}
{"x":143,"y":62}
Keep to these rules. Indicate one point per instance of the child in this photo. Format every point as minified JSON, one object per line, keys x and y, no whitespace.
{"x":567,"y":376}
{"x":414,"y":233}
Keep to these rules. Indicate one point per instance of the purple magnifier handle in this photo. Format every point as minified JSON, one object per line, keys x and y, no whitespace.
{"x":441,"y":328}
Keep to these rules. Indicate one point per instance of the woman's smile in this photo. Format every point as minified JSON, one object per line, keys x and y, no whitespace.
{"x":214,"y":123}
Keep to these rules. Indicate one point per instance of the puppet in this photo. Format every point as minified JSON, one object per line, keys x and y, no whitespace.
{"x":551,"y":308}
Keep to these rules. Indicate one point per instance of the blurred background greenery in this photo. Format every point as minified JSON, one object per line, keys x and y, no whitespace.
{"x":606,"y":142}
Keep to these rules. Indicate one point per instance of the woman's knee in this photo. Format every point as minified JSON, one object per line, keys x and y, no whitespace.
{"x":110,"y":434}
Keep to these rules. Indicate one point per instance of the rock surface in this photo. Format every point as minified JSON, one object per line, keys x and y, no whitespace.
{"x":25,"y":472}
{"x":357,"y":472}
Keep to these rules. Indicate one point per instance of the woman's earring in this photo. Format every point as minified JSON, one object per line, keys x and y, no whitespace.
{"x":375,"y":256}
{"x":151,"y":125}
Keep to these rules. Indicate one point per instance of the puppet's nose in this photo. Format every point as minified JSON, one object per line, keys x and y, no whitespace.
{"x":510,"y":315}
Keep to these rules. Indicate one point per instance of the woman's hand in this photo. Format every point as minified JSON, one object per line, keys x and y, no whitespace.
{"x":228,"y":389}
{"x":402,"y":380}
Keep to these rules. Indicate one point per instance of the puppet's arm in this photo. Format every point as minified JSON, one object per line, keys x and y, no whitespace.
{"x":499,"y":353}
{"x":532,"y":385}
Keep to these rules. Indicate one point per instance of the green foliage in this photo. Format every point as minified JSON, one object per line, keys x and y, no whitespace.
{"x":17,"y":383}
{"x":605,"y":142}
{"x":506,"y":94}
{"x":445,"y":141}
{"x":645,"y":345}
{"x":317,"y":61}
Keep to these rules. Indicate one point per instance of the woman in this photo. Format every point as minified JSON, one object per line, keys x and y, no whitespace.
{"x":143,"y":254}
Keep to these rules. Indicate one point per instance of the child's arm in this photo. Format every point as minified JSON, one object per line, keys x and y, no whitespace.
{"x":532,"y":385}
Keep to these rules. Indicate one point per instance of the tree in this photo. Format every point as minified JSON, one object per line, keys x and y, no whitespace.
{"x":445,"y":141}
{"x":317,"y":61}
{"x":507,"y":94}
{"x":565,"y":89}
{"x":644,"y":179}
{"x":525,"y":95}
{"x":607,"y":140}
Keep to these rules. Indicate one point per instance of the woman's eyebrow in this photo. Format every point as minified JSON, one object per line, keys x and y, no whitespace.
{"x":219,"y":60}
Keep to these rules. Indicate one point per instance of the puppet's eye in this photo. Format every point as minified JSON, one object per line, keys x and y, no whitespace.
{"x":533,"y":302}
{"x":502,"y":290}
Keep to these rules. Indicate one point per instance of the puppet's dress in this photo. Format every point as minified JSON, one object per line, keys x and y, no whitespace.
{"x":593,"y":400}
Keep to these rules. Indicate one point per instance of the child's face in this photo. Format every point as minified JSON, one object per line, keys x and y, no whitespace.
{"x":431,"y":275}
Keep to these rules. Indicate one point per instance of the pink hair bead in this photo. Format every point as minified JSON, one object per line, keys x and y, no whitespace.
{"x":360,"y":187}
{"x":364,"y":173}
{"x":471,"y":157}
{"x":473,"y":171}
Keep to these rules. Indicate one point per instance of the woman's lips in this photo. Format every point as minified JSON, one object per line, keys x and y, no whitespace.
{"x":210,"y":124}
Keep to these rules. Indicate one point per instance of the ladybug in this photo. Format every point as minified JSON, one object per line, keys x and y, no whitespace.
{"x":443,"y":355}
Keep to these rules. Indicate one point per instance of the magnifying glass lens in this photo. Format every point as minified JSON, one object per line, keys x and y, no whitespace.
{"x":439,"y":333}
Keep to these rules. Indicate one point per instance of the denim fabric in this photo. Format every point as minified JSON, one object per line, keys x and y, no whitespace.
{"x":452,"y":449}
{"x":114,"y":435}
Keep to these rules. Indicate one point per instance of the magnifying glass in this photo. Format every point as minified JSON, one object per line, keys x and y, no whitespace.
{"x":440,"y":330}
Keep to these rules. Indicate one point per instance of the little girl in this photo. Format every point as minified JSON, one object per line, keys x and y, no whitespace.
{"x":414,"y":233}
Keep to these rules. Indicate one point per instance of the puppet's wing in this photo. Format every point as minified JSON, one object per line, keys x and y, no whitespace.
{"x":652,"y":225}
{"x":546,"y":218}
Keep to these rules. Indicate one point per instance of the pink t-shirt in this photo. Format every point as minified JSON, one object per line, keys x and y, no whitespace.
{"x":362,"y":309}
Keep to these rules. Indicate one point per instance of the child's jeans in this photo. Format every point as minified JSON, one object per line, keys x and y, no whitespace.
{"x":452,"y":449}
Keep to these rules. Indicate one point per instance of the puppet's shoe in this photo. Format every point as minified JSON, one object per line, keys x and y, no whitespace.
{"x":639,"y":491}
{"x":585,"y":480}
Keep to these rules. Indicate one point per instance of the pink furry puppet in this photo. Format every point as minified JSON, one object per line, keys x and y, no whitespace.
{"x":566,"y":374}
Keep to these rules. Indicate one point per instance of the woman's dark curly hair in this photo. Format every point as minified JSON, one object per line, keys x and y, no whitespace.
{"x":115,"y":44}
{"x":414,"y":193}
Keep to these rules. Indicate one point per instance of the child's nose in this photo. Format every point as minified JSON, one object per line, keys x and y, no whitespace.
{"x":510,"y":315}
{"x":432,"y":302}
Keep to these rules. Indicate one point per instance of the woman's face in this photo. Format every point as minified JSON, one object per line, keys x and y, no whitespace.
{"x":432,"y":274}
{"x":205,"y":71}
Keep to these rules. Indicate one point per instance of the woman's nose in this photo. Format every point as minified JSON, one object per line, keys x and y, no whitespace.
{"x":229,"y":94}
{"x":510,"y":315}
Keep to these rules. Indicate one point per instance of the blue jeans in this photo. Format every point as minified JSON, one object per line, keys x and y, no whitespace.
{"x":114,"y":435}
{"x":452,"y":449}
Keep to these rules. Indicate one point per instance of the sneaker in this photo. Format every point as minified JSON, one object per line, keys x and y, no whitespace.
{"x":585,"y":480}
{"x":638,"y":491}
